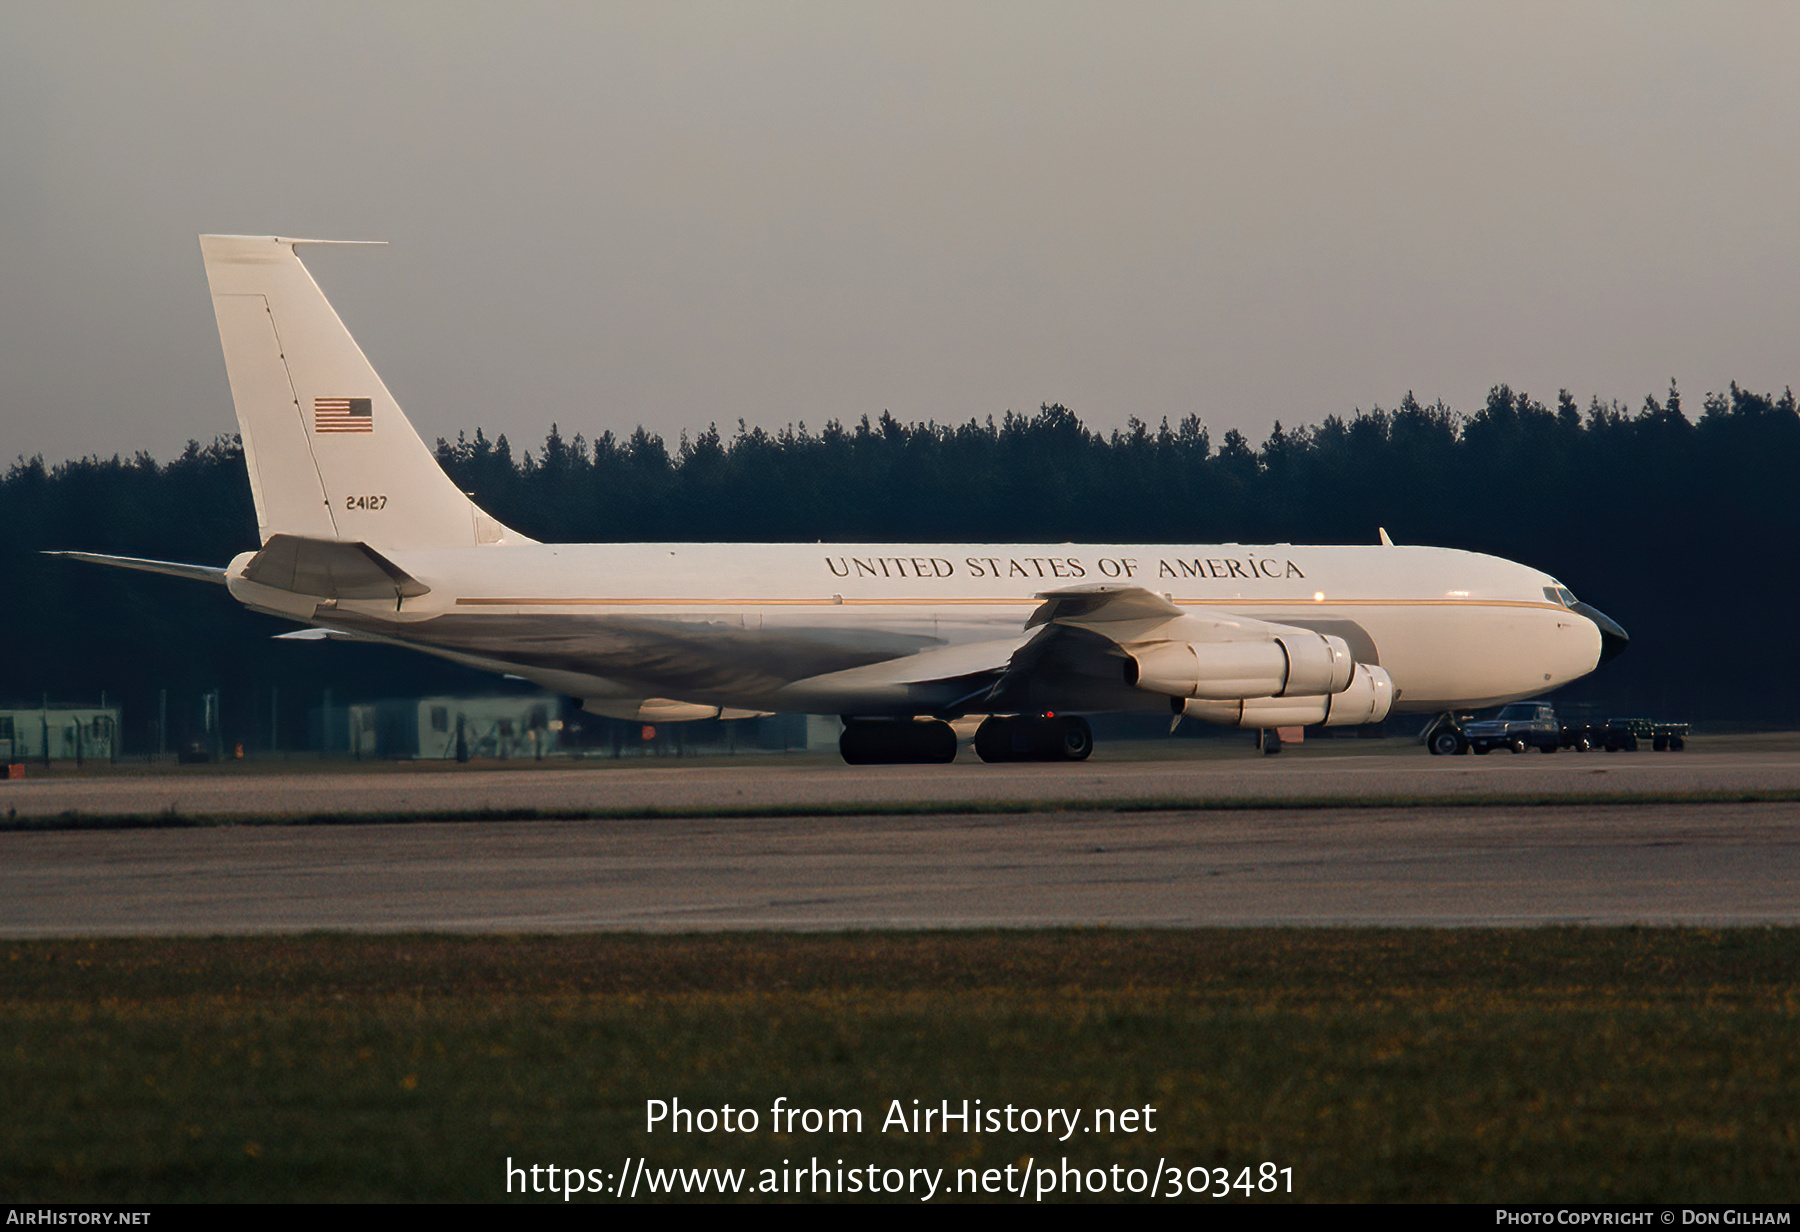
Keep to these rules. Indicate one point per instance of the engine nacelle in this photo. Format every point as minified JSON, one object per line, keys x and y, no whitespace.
{"x":1291,"y":665}
{"x":660,"y":710}
{"x":1257,"y":711}
{"x":1367,"y":699}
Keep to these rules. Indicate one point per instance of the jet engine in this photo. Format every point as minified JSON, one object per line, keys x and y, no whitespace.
{"x":1300,"y":664}
{"x":1366,"y":700}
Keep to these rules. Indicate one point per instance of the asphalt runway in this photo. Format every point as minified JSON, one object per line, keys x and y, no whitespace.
{"x":1332,"y":771}
{"x":1059,"y":863}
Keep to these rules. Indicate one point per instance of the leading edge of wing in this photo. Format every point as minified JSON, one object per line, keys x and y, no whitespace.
{"x":1127,"y":614}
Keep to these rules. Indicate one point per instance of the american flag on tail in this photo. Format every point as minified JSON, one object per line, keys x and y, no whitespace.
{"x":342,"y":415}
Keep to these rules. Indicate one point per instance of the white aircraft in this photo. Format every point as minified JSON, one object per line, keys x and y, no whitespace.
{"x":365,"y":537}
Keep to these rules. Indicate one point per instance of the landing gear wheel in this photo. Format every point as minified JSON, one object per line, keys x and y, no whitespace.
{"x":1004,"y":737}
{"x":1446,"y":742}
{"x":995,"y":737}
{"x":1075,"y":739}
{"x":897,"y":742}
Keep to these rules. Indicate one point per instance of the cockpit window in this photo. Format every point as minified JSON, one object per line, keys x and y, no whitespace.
{"x":1560,"y":594}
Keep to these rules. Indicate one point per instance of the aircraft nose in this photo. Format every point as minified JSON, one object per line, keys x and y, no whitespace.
{"x":1613,"y":638}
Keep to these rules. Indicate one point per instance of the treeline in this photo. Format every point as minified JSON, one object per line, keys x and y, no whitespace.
{"x":1422,"y":471}
{"x":1682,"y":526}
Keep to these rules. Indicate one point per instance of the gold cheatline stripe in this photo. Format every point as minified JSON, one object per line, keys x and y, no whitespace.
{"x":922,"y":602}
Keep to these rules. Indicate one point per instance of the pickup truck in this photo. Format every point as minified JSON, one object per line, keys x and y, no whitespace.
{"x":1534,"y":725}
{"x":1520,"y":726}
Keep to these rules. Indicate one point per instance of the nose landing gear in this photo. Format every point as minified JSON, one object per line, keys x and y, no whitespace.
{"x":1446,"y":738}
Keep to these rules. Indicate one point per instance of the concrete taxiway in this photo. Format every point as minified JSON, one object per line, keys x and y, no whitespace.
{"x":1595,"y":857}
{"x":1717,"y":864}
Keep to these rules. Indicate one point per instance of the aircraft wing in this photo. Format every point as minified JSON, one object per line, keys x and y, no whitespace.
{"x":1093,"y":648}
{"x":1103,"y":646}
{"x":940,"y":679}
{"x":1128,"y":615}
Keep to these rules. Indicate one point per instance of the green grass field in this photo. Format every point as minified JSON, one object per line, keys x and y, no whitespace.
{"x":1531,"y":1065}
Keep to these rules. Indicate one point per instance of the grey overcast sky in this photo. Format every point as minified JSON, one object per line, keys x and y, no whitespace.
{"x":673,"y":214}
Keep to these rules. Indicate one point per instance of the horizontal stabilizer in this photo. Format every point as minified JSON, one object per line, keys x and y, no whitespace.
{"x":330,"y":569}
{"x":316,"y":634}
{"x":194,"y":573}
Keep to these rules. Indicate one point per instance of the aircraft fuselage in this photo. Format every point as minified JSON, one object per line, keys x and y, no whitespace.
{"x":786,"y":626}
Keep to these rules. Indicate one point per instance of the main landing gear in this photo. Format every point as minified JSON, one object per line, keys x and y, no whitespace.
{"x":882,"y":742}
{"x":1033,"y":738}
{"x":879,"y":742}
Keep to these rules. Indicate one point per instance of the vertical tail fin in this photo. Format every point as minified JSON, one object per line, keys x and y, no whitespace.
{"x":330,"y":454}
